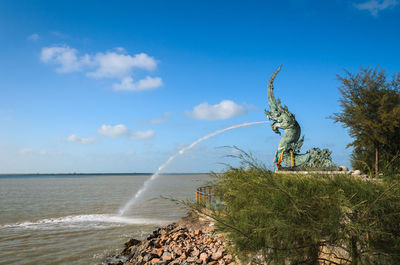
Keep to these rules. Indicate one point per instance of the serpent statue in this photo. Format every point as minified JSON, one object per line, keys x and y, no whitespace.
{"x":290,"y":143}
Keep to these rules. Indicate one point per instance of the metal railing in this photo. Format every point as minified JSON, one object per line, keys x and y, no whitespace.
{"x":204,"y":195}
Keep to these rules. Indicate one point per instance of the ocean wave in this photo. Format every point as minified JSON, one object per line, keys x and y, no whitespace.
{"x":88,"y":220}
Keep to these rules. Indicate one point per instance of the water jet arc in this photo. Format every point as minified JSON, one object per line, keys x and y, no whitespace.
{"x":171,"y":158}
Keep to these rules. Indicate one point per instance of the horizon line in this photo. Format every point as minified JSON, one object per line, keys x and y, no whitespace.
{"x":102,"y":173}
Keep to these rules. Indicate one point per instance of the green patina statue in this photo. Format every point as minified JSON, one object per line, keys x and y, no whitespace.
{"x":290,"y":143}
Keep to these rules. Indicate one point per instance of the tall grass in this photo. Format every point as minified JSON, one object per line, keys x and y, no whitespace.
{"x":308,"y":219}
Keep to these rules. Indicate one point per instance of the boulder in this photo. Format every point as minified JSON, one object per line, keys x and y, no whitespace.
{"x":166,"y":256}
{"x":149,"y":256}
{"x":132,"y":242}
{"x":228,"y":258}
{"x":158,"y":251}
{"x":191,"y":259}
{"x":175,"y":245}
{"x":204,"y":257}
{"x":117,"y":259}
{"x":130,"y":252}
{"x":217,"y":255}
{"x":195,"y":252}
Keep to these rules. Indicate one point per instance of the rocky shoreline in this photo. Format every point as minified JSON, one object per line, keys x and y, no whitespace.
{"x":189,"y":241}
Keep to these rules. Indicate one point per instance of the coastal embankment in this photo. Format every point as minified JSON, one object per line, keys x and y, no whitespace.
{"x":188,"y":241}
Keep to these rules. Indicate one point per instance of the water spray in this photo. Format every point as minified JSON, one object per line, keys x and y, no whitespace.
{"x":171,"y":158}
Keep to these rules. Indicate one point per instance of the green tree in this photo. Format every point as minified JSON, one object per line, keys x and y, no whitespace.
{"x":370,"y":109}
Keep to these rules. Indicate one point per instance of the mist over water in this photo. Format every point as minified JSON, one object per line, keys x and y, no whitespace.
{"x":155,"y":176}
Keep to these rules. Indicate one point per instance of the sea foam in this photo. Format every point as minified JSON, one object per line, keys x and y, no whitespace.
{"x":88,"y":220}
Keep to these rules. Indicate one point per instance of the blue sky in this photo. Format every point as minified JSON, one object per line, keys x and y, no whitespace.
{"x":119,"y":86}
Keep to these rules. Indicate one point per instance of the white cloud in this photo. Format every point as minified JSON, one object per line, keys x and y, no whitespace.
{"x":34,"y":37}
{"x":121,"y":130}
{"x":116,"y":64}
{"x":374,"y":6}
{"x":148,"y":83}
{"x":26,"y":151}
{"x":142,"y":135}
{"x":223,"y":110}
{"x":65,"y":57}
{"x":76,"y":139}
{"x":113,"y":131}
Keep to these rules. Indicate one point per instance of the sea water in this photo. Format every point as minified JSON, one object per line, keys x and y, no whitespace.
{"x":71,"y":219}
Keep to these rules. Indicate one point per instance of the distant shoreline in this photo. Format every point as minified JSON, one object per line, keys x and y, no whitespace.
{"x":91,"y":174}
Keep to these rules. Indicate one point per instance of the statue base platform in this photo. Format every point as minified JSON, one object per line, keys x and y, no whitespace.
{"x":305,"y":171}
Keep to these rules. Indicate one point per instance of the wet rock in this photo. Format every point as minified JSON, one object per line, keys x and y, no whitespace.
{"x":149,"y":256}
{"x":154,"y":234}
{"x":132,"y":242}
{"x":130,"y":247}
{"x":117,"y":259}
{"x":149,"y":243}
{"x":130,"y":252}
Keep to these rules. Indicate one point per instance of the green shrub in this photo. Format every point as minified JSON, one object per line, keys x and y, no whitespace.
{"x":293,"y":218}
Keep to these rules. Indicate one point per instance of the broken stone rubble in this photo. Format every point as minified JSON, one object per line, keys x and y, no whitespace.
{"x":175,"y":244}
